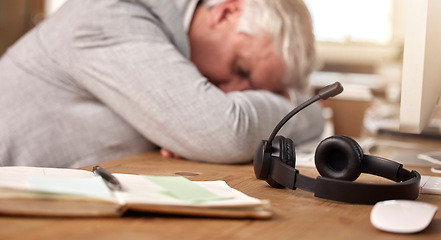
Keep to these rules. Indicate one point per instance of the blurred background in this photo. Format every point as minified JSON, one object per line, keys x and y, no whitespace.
{"x":19,"y":16}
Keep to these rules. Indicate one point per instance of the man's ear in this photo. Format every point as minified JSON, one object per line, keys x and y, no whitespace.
{"x":225,"y":12}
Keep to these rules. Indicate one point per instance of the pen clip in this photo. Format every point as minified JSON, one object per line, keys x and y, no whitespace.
{"x":108,"y":178}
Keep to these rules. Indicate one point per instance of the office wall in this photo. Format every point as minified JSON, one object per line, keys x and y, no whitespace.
{"x":16,"y":18}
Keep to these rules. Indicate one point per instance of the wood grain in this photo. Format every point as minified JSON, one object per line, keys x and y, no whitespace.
{"x":297,"y":214}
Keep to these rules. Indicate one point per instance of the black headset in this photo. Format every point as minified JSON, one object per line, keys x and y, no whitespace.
{"x":339,"y":160}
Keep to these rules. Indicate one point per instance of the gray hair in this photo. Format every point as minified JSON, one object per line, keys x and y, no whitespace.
{"x":290,"y":25}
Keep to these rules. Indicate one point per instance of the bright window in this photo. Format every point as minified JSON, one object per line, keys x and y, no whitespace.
{"x":352,"y":20}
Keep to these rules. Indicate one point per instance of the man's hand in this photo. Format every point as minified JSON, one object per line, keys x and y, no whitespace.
{"x":166,"y":153}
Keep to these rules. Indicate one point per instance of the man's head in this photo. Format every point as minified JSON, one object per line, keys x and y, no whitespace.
{"x":253,"y":44}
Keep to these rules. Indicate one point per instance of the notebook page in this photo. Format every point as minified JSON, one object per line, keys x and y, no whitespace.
{"x":15,"y":177}
{"x":138,"y":189}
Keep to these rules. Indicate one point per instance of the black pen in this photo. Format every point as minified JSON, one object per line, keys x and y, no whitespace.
{"x":109,"y":179}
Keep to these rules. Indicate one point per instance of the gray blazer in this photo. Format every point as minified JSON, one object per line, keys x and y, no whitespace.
{"x":103,"y":79}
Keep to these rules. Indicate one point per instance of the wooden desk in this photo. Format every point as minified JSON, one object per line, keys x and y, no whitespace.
{"x":297,"y":214}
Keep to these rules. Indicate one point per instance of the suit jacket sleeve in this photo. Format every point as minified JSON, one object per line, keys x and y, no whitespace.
{"x":134,"y":58}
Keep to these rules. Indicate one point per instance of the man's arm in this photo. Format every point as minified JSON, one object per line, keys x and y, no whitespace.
{"x":133,"y":66}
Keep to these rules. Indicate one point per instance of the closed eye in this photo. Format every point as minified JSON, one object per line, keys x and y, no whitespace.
{"x":242,"y":73}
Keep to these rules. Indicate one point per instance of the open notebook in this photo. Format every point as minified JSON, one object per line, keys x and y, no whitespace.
{"x":33,"y":191}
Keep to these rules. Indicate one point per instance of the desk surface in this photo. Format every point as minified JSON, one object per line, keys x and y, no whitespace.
{"x":297,"y":214}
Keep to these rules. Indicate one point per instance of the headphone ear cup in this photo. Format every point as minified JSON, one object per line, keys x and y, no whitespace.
{"x":262,"y":164}
{"x":262,"y":161}
{"x":339,"y":157}
{"x":284,"y":149}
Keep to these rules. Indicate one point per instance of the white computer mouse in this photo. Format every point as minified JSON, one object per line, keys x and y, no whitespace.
{"x":402,"y":216}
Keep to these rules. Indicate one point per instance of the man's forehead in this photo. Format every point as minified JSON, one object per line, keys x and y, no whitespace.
{"x":260,"y":50}
{"x":262,"y":59}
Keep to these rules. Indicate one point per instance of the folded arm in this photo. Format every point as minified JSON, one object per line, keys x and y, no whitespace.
{"x":143,"y":77}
